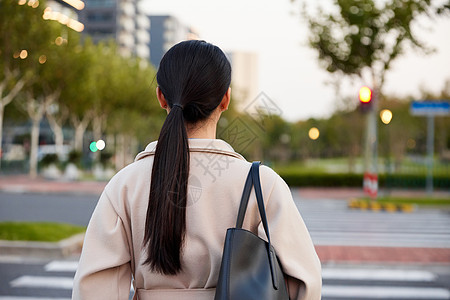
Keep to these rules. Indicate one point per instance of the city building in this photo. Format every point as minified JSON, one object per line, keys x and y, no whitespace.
{"x":65,"y":12}
{"x":166,"y":31}
{"x":120,"y":20}
{"x":245,"y":80}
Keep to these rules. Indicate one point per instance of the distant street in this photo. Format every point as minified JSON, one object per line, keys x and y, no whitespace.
{"x":66,"y":208}
{"x":330,"y":222}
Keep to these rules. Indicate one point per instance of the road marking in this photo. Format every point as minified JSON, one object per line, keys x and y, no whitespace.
{"x":378,"y":274}
{"x":43,"y":282}
{"x":29,"y":298}
{"x":383,"y":292}
{"x":61,"y":266}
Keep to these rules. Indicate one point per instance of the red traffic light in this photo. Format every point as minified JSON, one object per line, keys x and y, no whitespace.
{"x":365,"y":94}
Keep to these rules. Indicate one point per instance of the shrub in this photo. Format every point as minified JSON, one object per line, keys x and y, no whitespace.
{"x":49,"y":159}
{"x":297,"y":179}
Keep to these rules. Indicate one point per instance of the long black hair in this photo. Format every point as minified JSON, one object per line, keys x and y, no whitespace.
{"x":193,"y":76}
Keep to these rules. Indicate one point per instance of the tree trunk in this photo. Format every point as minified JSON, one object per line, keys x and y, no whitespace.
{"x":34,"y":147}
{"x":56,"y":124}
{"x":120,"y":152}
{"x":6,"y":100}
{"x":97,"y":125}
{"x":80,"y":128}
{"x":36,"y":110}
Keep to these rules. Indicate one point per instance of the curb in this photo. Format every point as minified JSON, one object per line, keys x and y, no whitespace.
{"x":61,"y":249}
{"x":376,"y":206}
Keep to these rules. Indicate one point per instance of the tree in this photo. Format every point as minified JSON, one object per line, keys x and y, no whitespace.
{"x":364,"y":37}
{"x":63,"y":66}
{"x":14,"y":36}
{"x":79,"y":94}
{"x":26,"y":40}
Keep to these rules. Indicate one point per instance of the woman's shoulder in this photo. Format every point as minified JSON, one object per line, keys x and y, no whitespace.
{"x":268,"y":176}
{"x":131,"y":175}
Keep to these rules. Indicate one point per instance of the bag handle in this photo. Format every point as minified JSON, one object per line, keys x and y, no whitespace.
{"x":253,"y":180}
{"x":244,"y":199}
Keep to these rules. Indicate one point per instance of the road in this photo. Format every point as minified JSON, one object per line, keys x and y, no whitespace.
{"x":329,"y":222}
{"x":66,"y":208}
{"x":22,"y":280}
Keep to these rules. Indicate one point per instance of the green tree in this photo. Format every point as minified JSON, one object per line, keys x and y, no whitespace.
{"x":28,"y":42}
{"x":80,"y":93}
{"x":16,"y":37}
{"x":363,"y":37}
{"x":63,"y":64}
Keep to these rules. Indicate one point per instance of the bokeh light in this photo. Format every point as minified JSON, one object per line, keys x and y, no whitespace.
{"x":93,"y":147}
{"x":386,"y":116}
{"x":365,"y":94}
{"x":23,"y":54}
{"x":59,"y":40}
{"x":42,"y":59}
{"x":100,"y":145}
{"x":314,"y":133}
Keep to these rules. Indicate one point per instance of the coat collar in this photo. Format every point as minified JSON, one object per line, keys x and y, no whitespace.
{"x":197,"y":145}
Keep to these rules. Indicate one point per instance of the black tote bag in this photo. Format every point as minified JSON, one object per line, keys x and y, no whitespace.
{"x":250,"y":269}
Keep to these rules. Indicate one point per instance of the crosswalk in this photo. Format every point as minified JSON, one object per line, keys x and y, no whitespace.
{"x":378,"y":283}
{"x":338,"y":283}
{"x":331,"y":223}
{"x":49,"y":282}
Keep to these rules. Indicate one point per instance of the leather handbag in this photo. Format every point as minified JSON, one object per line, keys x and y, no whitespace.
{"x":250,"y":268}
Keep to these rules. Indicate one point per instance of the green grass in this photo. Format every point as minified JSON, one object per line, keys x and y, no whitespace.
{"x":37,"y":231}
{"x":421,"y":201}
{"x":341,"y":165}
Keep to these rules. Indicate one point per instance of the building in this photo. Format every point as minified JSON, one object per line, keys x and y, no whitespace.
{"x":65,"y":12}
{"x":166,"y":31}
{"x":245,"y":79}
{"x":120,"y":20}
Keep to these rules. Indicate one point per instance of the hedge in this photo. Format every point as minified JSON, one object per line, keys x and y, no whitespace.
{"x":356,"y":180}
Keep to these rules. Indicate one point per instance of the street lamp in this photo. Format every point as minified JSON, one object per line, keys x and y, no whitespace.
{"x":386,"y":116}
{"x":314,"y":133}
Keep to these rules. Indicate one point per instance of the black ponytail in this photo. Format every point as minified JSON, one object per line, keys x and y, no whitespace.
{"x":193,"y":76}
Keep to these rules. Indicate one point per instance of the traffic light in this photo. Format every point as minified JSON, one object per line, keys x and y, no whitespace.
{"x":365,"y":99}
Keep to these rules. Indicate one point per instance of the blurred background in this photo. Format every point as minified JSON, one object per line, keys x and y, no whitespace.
{"x":347,"y":100}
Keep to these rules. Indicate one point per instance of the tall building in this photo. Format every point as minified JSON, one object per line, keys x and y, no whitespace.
{"x":65,"y":12}
{"x":121,"y":20}
{"x":165,"y":32}
{"x":245,"y":79}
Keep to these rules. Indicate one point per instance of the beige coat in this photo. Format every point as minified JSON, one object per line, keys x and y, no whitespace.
{"x":113,"y":252}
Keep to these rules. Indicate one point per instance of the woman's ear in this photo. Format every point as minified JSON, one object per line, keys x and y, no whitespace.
{"x":225,"y":100}
{"x":161,"y":99}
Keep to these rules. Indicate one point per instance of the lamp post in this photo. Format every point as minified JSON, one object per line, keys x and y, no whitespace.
{"x":368,"y":105}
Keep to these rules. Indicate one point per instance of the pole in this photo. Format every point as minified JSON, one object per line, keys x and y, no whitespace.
{"x":430,"y":152}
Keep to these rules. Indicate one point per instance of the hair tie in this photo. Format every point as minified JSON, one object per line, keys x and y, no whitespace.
{"x":179,"y":105}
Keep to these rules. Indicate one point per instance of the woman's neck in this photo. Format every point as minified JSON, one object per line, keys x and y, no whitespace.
{"x":206,"y":130}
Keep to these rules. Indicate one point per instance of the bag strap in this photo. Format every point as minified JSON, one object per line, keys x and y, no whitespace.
{"x":253,"y":179}
{"x":244,"y":200}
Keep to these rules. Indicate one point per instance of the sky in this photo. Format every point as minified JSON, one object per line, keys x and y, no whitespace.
{"x":289,"y":73}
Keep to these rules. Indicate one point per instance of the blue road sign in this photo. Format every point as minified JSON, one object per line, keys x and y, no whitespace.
{"x":430,"y":108}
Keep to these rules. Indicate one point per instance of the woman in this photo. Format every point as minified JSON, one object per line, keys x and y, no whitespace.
{"x":162,"y":220}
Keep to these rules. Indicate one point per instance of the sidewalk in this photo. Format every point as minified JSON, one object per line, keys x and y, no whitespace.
{"x":24,"y":184}
{"x":384,"y":255}
{"x":327,"y":254}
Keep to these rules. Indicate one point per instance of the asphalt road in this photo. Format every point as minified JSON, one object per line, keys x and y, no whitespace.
{"x":46,"y":280}
{"x":65,"y":208}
